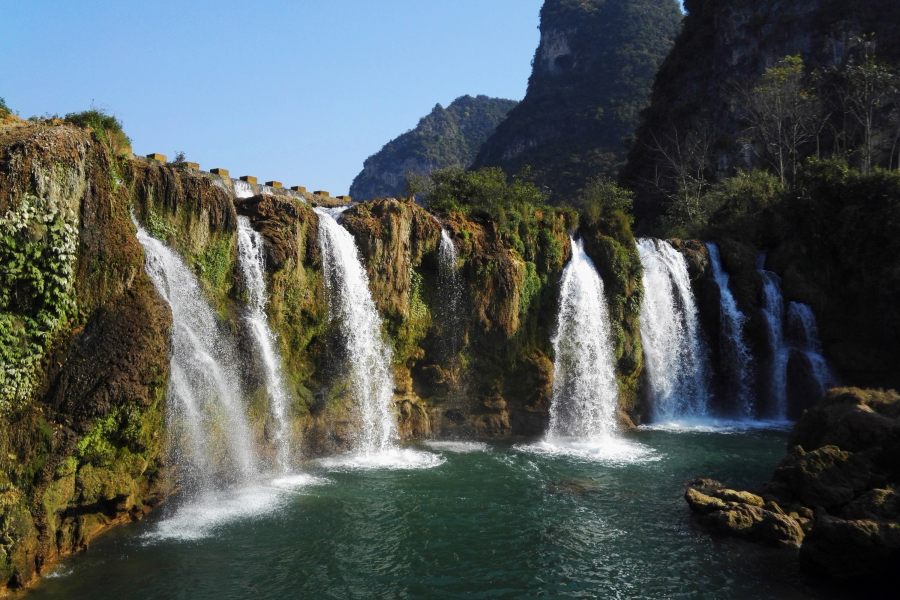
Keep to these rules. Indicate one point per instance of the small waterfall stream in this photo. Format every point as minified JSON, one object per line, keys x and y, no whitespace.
{"x":773,"y":311}
{"x":368,"y":357}
{"x":735,"y":352}
{"x":804,"y":335}
{"x":585,"y":392}
{"x":252,"y":262}
{"x":451,"y":287}
{"x":675,"y":355}
{"x":204,"y":404}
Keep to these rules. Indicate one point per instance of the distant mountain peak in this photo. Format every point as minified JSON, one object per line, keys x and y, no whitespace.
{"x":446,"y":137}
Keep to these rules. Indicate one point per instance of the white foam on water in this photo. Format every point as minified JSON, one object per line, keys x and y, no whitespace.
{"x":611,"y":451}
{"x":458,"y":447}
{"x":298,"y":481}
{"x":392,"y":459}
{"x":206,"y":514}
{"x":711,"y":425}
{"x":60,"y":573}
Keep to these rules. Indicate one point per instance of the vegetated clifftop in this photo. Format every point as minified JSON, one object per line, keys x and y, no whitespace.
{"x":448,"y":137}
{"x":723,"y":46}
{"x":592,"y":75}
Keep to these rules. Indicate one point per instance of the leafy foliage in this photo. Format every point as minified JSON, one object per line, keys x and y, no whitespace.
{"x":603,"y":197}
{"x":4,"y":109}
{"x":38,"y":244}
{"x":106,"y":127}
{"x":485,"y":192}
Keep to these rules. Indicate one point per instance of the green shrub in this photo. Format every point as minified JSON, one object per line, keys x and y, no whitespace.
{"x":107,"y":128}
{"x":4,"y":109}
{"x":483,"y":193}
{"x":602,"y":198}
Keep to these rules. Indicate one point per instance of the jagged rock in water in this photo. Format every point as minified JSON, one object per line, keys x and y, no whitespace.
{"x":448,"y":137}
{"x":592,"y":75}
{"x":852,"y":550}
{"x":742,"y":515}
{"x":841,"y":493}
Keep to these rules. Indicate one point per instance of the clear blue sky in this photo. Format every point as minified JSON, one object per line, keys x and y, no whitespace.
{"x":301,"y":92}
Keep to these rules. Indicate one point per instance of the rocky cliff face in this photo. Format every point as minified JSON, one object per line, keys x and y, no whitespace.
{"x":592,"y":76}
{"x":83,"y":343}
{"x":725,"y":44}
{"x":448,"y":137}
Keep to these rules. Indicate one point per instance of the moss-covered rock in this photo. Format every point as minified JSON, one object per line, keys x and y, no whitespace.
{"x":81,"y":448}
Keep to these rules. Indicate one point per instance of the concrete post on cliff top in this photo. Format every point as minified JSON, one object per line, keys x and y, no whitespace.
{"x":249,"y":179}
{"x":298,"y":188}
{"x":345,"y":198}
{"x":219,"y":172}
{"x":274,"y":184}
{"x":322,"y":193}
{"x":157,"y":157}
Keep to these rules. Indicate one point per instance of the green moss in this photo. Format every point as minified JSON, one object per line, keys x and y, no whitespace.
{"x":38,"y":244}
{"x":530,"y":287}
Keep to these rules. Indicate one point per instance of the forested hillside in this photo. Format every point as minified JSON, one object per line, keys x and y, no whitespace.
{"x":448,"y":137}
{"x":592,"y":76}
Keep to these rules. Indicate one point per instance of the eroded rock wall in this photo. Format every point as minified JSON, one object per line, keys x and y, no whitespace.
{"x":84,"y":351}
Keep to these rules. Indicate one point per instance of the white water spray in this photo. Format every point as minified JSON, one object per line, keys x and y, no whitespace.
{"x":675,"y":355}
{"x":773,"y":312}
{"x":242,"y":189}
{"x":252,"y":262}
{"x":368,"y":356}
{"x":585,"y":393}
{"x":451,"y":287}
{"x":735,"y":353}
{"x":204,"y":404}
{"x":804,"y":334}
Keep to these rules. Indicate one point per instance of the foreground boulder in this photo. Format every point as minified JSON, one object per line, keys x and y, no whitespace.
{"x":745,"y":516}
{"x":834,"y":494}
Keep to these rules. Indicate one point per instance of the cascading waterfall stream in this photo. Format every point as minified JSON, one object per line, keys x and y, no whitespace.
{"x":451,"y":292}
{"x":242,"y":189}
{"x":773,"y":311}
{"x":252,"y":262}
{"x":804,"y":334}
{"x":204,"y":400}
{"x":368,"y":357}
{"x":736,"y":355}
{"x":585,"y":392}
{"x":675,"y":355}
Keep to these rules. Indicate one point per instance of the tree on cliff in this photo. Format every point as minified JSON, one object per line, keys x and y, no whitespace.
{"x":865,"y":90}
{"x":783,"y":115}
{"x":591,"y":78}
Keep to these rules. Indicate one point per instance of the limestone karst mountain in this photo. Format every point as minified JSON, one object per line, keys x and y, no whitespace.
{"x":447,"y":137}
{"x":592,"y":76}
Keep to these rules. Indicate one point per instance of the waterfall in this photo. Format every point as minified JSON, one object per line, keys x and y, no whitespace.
{"x":451,"y":287}
{"x":773,"y":312}
{"x":585,"y":392}
{"x":804,"y":334}
{"x":204,"y":405}
{"x":736,"y":357}
{"x":675,"y":355}
{"x":242,"y":189}
{"x":252,"y":262}
{"x":368,"y":357}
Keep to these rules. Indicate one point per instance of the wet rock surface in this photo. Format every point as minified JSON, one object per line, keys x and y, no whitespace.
{"x":834,"y":494}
